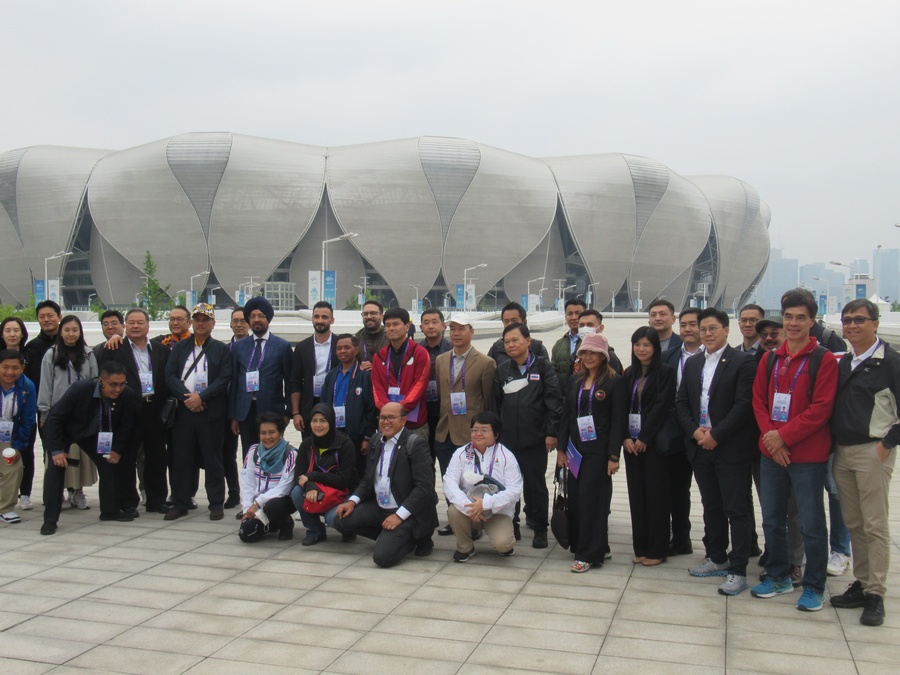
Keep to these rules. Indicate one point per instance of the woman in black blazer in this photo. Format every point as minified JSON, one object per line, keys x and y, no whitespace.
{"x":650,"y":396}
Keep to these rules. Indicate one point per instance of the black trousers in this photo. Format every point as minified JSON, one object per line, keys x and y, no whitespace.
{"x":249,"y":431}
{"x":391,"y":546}
{"x":648,"y":479}
{"x":754,"y":481}
{"x":229,"y":461}
{"x":533,"y":465}
{"x":723,"y":492}
{"x":278,"y":511}
{"x":55,"y":480}
{"x":589,"y":496}
{"x":195,"y":435}
{"x":28,"y":461}
{"x":681,"y":477}
{"x":155,"y":462}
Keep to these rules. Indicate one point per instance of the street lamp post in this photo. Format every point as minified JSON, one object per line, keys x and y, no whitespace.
{"x":466,"y":285}
{"x":613,"y":302}
{"x":531,"y":281}
{"x":192,"y":282}
{"x":417,"y":296}
{"x":61,"y":254}
{"x":589,"y":295}
{"x":349,"y":235}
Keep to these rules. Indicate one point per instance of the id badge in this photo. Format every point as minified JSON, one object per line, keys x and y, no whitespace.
{"x":394,"y":394}
{"x":781,"y":407}
{"x":146,"y":383}
{"x":340,"y":416}
{"x":104,"y":443}
{"x":634,"y":425}
{"x":318,"y":381}
{"x":201,"y":381}
{"x":704,"y":411}
{"x":458,"y":402}
{"x":383,"y":493}
{"x":6,"y":430}
{"x":431,"y":392}
{"x":589,"y":432}
{"x":252,"y":380}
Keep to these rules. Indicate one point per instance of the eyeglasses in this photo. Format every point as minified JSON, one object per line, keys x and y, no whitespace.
{"x":480,"y":432}
{"x":710,"y":330}
{"x":113,"y":385}
{"x":749,"y":321}
{"x":769,"y":334}
{"x":858,"y":320}
{"x":389,"y":418}
{"x":371,"y":314}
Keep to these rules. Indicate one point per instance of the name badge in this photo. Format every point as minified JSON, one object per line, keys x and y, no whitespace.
{"x":704,"y":411}
{"x":146,"y":383}
{"x":781,"y":406}
{"x":588,"y":431}
{"x":104,"y":443}
{"x":394,"y":394}
{"x":431,"y":392}
{"x":252,"y":380}
{"x":383,"y":493}
{"x":201,"y":381}
{"x":6,"y":430}
{"x":340,"y":416}
{"x":458,"y":402}
{"x":634,"y":425}
{"x":318,"y":381}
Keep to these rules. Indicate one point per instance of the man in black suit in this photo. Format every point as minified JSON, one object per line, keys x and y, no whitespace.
{"x":661,"y":315}
{"x":145,"y":370}
{"x":395,"y":502}
{"x":311,"y":361}
{"x":715,"y":408}
{"x":198,"y":373}
{"x":99,"y":416}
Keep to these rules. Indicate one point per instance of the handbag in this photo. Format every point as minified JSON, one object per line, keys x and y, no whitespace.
{"x":167,"y":414}
{"x":559,"y":520}
{"x":329,"y":496}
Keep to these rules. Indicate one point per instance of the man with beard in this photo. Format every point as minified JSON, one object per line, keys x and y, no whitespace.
{"x":371,"y":336}
{"x":313,"y":358}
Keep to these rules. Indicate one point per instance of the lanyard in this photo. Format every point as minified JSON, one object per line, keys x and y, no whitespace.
{"x":262,"y":354}
{"x":463,"y":374}
{"x":528,"y":362}
{"x":381,"y":459}
{"x":12,"y":415}
{"x":591,"y":398}
{"x":478,"y":463}
{"x":100,"y":417}
{"x":70,"y":370}
{"x":197,"y":356}
{"x":634,"y":392}
{"x":387,"y":362}
{"x":347,"y":393}
{"x":796,"y":375}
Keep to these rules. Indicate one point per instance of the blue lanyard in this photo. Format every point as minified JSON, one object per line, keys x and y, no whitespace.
{"x":590,"y":399}
{"x":796,"y":375}
{"x":474,"y":458}
{"x":528,"y":362}
{"x":347,"y":393}
{"x":452,"y":356}
{"x":387,"y":362}
{"x":70,"y":370}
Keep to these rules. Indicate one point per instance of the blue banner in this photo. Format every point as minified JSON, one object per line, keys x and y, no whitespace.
{"x":329,"y":290}
{"x":860,"y":291}
{"x":460,"y":297}
{"x":823,"y":304}
{"x":40,"y":291}
{"x":525,"y":302}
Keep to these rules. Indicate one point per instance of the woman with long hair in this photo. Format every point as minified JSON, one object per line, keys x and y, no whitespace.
{"x":650,"y":396}
{"x":67,"y":361}
{"x":591,"y":423}
{"x":13,"y":334}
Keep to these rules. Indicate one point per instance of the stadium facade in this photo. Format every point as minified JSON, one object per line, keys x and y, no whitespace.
{"x":226,"y":208}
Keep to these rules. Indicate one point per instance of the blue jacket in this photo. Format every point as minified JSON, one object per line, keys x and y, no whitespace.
{"x":361,"y":413}
{"x":24,"y":420}
{"x":274,"y":377}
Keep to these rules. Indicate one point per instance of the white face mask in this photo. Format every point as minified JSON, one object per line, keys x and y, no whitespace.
{"x":584,"y":332}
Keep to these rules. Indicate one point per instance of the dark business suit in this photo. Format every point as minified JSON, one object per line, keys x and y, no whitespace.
{"x":681,"y":474}
{"x":150,"y":432}
{"x":303,"y":372}
{"x":412,"y":485}
{"x":274,"y":384}
{"x":361,"y":415}
{"x":722,"y":473}
{"x":75,"y":418}
{"x":202,"y":430}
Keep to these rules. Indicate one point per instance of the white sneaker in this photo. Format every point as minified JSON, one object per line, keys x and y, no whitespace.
{"x":79,"y":501}
{"x":11,"y":517}
{"x":25,"y":503}
{"x":837,"y":564}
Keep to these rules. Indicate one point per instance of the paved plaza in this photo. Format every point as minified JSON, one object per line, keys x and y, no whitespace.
{"x":187,"y":596}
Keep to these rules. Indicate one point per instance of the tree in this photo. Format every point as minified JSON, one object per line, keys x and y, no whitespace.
{"x":154,"y":298}
{"x":97,"y":306}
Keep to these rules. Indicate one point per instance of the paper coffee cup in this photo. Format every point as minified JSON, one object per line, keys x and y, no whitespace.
{"x":9,"y":455}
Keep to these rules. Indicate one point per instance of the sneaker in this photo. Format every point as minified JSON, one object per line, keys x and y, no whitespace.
{"x":772,"y":587}
{"x":852,"y":598}
{"x":11,"y":517}
{"x":796,"y":576}
{"x":838,"y":564}
{"x":709,"y":569}
{"x":445,"y":531}
{"x":508,"y":553}
{"x":25,"y":503}
{"x":810,"y":601}
{"x":735,"y":584}
{"x":580,"y":567}
{"x":79,"y":501}
{"x":463,"y":557}
{"x":873,"y":614}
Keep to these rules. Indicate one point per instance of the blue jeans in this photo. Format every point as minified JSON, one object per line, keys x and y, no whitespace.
{"x":839,"y":537}
{"x":313,"y":521}
{"x":807,"y":482}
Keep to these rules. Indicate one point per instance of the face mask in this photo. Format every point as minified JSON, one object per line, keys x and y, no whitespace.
{"x":584,"y":332}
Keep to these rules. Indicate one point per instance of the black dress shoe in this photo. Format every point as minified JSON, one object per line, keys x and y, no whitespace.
{"x":313,"y":539}
{"x":157,"y":509}
{"x":239,"y":515}
{"x":174,"y":514}
{"x":48,"y":528}
{"x":119,"y":516}
{"x":287,"y":530}
{"x":133,"y":512}
{"x":540,"y":540}
{"x":232,"y":501}
{"x":424,"y":547}
{"x":445,"y":531}
{"x":216,"y":514}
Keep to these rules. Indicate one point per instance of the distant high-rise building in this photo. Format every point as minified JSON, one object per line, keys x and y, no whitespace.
{"x":887,"y":273}
{"x":781,"y":274}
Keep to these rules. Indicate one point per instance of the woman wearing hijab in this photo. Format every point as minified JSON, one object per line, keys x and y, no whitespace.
{"x":650,"y":396}
{"x":266,"y":481}
{"x":67,"y":361}
{"x":327,"y":458}
{"x":592,"y":414}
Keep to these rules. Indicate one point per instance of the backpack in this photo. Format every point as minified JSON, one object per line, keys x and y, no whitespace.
{"x":815,"y":360}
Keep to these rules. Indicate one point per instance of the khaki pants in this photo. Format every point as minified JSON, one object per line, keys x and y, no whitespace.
{"x":863,"y":482}
{"x":499,"y":530}
{"x":10,"y":479}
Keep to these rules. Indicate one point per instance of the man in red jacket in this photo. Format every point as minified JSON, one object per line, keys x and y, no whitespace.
{"x":400,"y":372}
{"x":793,"y":396}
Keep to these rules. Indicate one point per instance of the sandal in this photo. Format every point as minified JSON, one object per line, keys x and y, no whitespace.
{"x":579,"y":567}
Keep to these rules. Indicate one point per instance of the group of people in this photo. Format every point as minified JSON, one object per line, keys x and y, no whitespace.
{"x":377,"y":410}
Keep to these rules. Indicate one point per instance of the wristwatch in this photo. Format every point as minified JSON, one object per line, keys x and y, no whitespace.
{"x":615,"y":460}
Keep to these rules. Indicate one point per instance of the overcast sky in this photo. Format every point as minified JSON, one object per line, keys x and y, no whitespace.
{"x":799,"y":99}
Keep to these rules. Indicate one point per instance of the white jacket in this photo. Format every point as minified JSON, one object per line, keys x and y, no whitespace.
{"x":505,"y":470}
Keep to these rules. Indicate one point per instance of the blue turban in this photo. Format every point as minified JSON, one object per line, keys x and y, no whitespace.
{"x":262,"y":305}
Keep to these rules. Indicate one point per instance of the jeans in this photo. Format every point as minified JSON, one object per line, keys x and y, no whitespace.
{"x":313,"y":521}
{"x":807,"y":481}
{"x":839,"y":535}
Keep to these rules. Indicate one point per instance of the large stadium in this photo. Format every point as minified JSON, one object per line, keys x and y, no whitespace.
{"x":231,"y":214}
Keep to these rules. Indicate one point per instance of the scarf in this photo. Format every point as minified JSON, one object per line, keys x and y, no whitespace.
{"x":272,"y":460}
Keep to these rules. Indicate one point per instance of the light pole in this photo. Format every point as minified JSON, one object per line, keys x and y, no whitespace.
{"x":466,"y":285}
{"x":589,"y":296}
{"x":192,"y":282}
{"x":640,"y":303}
{"x":877,"y":270}
{"x":417,"y":296}
{"x":613,"y":302}
{"x":365,"y":281}
{"x":827,"y":296}
{"x":92,"y":295}
{"x":213,"y":294}
{"x":349,"y":235}
{"x":540,"y":294}
{"x":531,"y":281}
{"x":61,"y":254}
{"x":562,"y":294}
